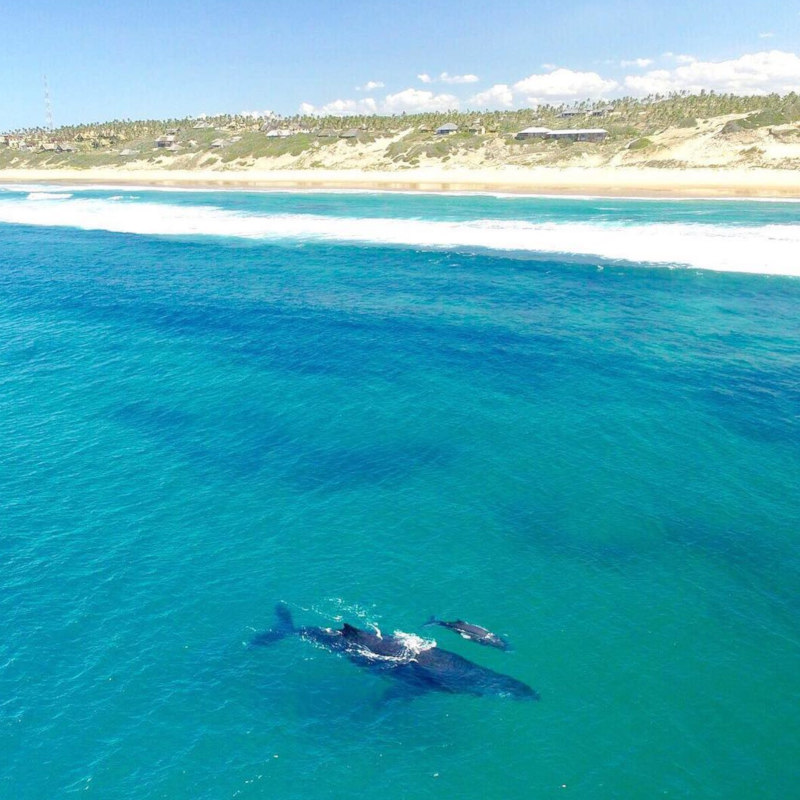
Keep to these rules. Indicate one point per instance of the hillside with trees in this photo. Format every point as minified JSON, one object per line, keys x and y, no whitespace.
{"x":708,"y":129}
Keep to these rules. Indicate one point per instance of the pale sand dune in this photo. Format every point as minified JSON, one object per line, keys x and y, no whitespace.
{"x":601,"y":180}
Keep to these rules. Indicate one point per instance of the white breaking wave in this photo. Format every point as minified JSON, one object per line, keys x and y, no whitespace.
{"x":768,"y":249}
{"x":49,"y":196}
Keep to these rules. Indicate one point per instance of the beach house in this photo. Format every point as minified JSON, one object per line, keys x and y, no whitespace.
{"x":56,"y":147}
{"x":446,"y":129}
{"x":578,"y":134}
{"x":533,"y":133}
{"x":14,"y":142}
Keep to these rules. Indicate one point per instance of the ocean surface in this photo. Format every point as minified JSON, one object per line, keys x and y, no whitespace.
{"x":573,"y":421}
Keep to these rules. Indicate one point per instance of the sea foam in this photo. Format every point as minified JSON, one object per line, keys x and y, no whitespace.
{"x":766,"y":249}
{"x":49,"y":196}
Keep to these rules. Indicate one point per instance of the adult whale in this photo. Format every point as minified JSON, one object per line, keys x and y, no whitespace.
{"x":417,"y":665}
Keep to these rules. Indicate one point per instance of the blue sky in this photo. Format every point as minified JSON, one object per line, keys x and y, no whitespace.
{"x":112,"y":59}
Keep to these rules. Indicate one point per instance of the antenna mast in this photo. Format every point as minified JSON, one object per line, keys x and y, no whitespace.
{"x":48,"y":108}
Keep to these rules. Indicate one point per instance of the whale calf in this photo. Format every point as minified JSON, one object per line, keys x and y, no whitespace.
{"x":418,"y":665}
{"x":474,"y":633}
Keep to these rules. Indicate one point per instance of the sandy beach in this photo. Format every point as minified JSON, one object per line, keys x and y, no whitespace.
{"x":601,"y":181}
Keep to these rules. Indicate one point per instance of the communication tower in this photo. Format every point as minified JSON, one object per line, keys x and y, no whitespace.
{"x":48,"y":108}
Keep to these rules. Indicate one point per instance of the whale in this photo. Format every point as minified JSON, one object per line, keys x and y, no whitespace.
{"x":416,"y":665}
{"x":473,"y":633}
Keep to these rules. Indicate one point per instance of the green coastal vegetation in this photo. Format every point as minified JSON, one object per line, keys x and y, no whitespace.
{"x":404,"y":140}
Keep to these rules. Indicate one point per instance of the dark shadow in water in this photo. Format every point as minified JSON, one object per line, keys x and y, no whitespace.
{"x":238,"y":450}
{"x":539,"y":527}
{"x":764,"y":406}
{"x":154,"y":420}
{"x":767,"y":562}
{"x":764,"y":563}
{"x":304,"y":330}
{"x":341,"y":468}
{"x":722,"y":544}
{"x":245,"y":445}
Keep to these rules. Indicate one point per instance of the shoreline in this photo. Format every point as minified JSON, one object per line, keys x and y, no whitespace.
{"x":621,"y":182}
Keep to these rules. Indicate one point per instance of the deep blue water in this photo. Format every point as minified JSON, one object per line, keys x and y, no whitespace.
{"x":595,"y":457}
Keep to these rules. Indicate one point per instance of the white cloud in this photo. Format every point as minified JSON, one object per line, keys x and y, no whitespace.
{"x":341,"y":108}
{"x":447,"y":78}
{"x":499,"y":96}
{"x":753,"y":73}
{"x":766,"y":35}
{"x":553,"y":66}
{"x":636,"y":62}
{"x":657,"y":81}
{"x":409,"y":100}
{"x":416,"y":100}
{"x":563,"y":84}
{"x":370,"y":86}
{"x":679,"y":58}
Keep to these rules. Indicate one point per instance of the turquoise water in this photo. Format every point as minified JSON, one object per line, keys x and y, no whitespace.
{"x":377,"y":408}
